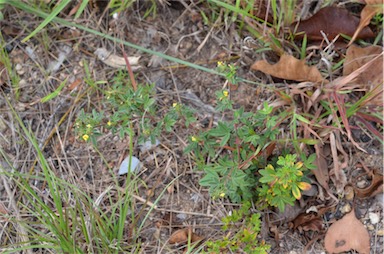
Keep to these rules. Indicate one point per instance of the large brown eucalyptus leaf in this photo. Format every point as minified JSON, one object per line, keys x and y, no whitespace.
{"x":332,"y":21}
{"x":347,"y":234}
{"x":289,"y":68}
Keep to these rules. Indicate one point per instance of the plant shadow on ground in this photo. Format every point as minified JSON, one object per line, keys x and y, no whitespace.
{"x":61,"y":155}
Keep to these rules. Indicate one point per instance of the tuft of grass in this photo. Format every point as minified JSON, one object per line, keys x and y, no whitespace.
{"x":67,"y":219}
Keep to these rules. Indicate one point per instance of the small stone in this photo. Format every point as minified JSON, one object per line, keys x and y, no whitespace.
{"x":370,"y":227}
{"x":346,"y":209}
{"x":374,"y":218}
{"x":349,"y":193}
{"x":181,"y":216}
{"x":22,"y":83}
{"x":361,"y":184}
{"x":380,"y":232}
{"x":292,"y":252}
{"x":19,"y":69}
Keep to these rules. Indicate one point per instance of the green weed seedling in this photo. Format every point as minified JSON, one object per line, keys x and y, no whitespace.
{"x":281,"y":185}
{"x":242,"y":228}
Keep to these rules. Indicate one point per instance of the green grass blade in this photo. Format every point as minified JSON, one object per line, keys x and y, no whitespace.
{"x":81,"y":8}
{"x":47,"y":19}
{"x":25,"y":7}
{"x":55,"y":93}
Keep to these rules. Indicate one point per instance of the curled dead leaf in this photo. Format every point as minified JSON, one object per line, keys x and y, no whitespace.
{"x":308,"y":222}
{"x":116,"y":61}
{"x":289,"y":68}
{"x":372,"y":8}
{"x":183,"y":235}
{"x":373,"y":189}
{"x":347,"y":234}
{"x":332,"y":21}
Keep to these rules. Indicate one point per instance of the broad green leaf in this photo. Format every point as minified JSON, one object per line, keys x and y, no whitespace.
{"x":296,"y":192}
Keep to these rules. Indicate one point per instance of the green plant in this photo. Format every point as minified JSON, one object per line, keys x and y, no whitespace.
{"x":242,"y":228}
{"x":281,"y":184}
{"x":130,"y":106}
{"x":233,"y":153}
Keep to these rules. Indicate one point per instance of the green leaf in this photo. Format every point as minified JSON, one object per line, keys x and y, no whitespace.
{"x":84,"y":4}
{"x":302,"y":119}
{"x":209,"y":180}
{"x":220,"y":131}
{"x":48,"y":19}
{"x":266,"y":177}
{"x":225,"y":139}
{"x":54,"y":93}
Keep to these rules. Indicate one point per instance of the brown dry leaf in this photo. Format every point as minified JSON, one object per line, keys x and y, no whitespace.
{"x":375,"y":188}
{"x":372,"y":8}
{"x":332,"y":21}
{"x":182,"y":236}
{"x":74,"y":9}
{"x":3,"y":209}
{"x":356,"y":57}
{"x":347,"y":234}
{"x":321,"y":171}
{"x":308,"y":222}
{"x":289,"y":68}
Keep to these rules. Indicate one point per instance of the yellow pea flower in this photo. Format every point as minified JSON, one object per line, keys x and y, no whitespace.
{"x":220,"y":63}
{"x":85,"y":137}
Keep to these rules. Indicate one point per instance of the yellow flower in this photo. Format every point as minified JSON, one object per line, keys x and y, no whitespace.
{"x":85,"y":137}
{"x":220,"y":63}
{"x":225,"y":93}
{"x":174,"y":104}
{"x":89,"y":126}
{"x":222,"y":194}
{"x":109,"y":123}
{"x":194,"y":139}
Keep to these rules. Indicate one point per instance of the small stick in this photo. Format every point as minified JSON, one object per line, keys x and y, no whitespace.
{"x":131,"y":76}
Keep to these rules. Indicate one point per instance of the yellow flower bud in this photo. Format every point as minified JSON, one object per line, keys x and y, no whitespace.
{"x":109,"y":123}
{"x":85,"y":137}
{"x":225,"y":93}
{"x":194,"y":139}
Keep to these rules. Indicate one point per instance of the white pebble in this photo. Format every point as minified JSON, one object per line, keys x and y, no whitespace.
{"x":374,"y":218}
